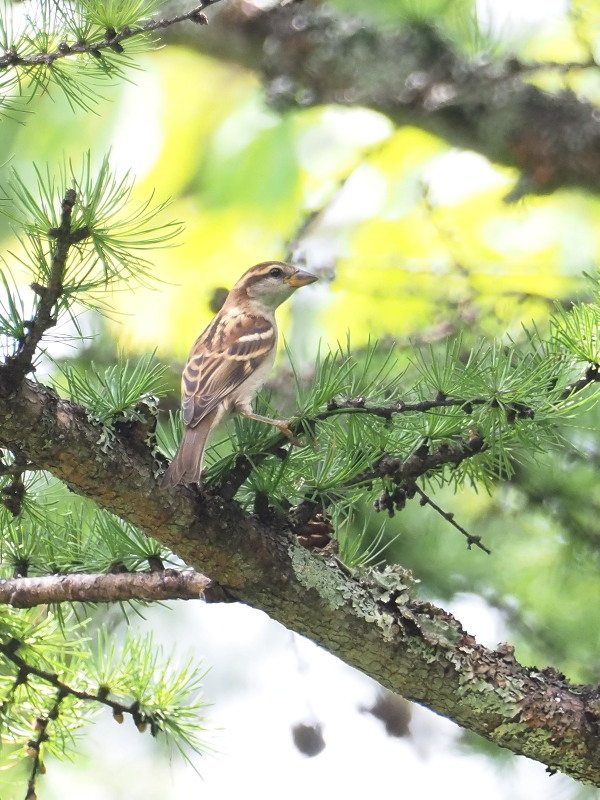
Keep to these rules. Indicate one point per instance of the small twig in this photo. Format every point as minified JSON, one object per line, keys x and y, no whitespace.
{"x":302,"y":230}
{"x":421,"y":461}
{"x":112,"y":40}
{"x":10,"y":651}
{"x":519,"y":67}
{"x":16,"y":469}
{"x":243,"y":465}
{"x":13,"y":493}
{"x":311,"y":219}
{"x":18,"y":365}
{"x":9,"y":695}
{"x":34,"y":746}
{"x":592,"y":375}
{"x":359,"y":405}
{"x":168,"y":584}
{"x":449,"y":517}
{"x":236,"y":476}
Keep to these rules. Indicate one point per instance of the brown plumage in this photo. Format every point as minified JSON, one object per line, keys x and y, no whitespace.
{"x":231,"y":360}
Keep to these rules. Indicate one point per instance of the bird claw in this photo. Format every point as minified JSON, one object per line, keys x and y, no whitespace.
{"x":289,"y":435}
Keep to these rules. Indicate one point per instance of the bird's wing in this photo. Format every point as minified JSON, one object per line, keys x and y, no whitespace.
{"x":223,"y":357}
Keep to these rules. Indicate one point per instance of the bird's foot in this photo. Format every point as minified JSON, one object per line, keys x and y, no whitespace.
{"x":285,"y":429}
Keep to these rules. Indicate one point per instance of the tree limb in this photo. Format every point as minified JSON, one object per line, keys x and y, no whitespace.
{"x":166,"y":584}
{"x":311,"y":56}
{"x":372,"y":622}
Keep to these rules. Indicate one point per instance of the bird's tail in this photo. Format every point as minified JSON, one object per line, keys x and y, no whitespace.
{"x":187,"y":464}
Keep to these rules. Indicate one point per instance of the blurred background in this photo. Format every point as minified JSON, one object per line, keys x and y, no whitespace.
{"x":414,"y":242}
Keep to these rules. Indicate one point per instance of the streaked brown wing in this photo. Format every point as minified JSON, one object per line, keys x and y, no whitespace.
{"x":223,"y":357}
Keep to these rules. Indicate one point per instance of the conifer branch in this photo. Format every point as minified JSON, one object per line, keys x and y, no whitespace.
{"x":243,"y":466}
{"x":18,"y":365}
{"x":112,"y":40}
{"x":404,"y":472}
{"x":420,"y":462}
{"x":34,"y":746}
{"x":168,"y":584}
{"x":10,"y":650}
{"x":13,"y":493}
{"x":360,"y":405}
{"x":414,"y":466}
{"x":414,"y":75}
{"x":411,"y":647}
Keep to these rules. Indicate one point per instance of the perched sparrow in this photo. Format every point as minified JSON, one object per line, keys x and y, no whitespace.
{"x":231,"y":360}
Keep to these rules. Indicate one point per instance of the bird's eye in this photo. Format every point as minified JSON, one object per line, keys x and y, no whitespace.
{"x":276,"y":272}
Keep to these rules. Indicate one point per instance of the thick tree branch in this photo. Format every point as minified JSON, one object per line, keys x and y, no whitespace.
{"x":166,"y":584}
{"x":372,"y":622}
{"x":310,"y":56}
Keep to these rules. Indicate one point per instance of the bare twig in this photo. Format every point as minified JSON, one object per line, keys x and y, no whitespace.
{"x":167,"y":584}
{"x":525,"y":67}
{"x":449,"y":517}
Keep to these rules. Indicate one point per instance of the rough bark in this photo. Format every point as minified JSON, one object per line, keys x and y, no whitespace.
{"x":372,"y":622}
{"x":310,"y":56}
{"x":164,"y":584}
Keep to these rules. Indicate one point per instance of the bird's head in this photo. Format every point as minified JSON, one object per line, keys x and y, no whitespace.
{"x":270,"y":283}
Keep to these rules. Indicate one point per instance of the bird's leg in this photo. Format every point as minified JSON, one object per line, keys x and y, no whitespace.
{"x":282,"y":424}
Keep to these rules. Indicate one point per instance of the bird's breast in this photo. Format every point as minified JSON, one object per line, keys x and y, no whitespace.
{"x":246,"y":390}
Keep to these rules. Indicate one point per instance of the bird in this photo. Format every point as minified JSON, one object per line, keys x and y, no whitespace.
{"x":230,"y":361}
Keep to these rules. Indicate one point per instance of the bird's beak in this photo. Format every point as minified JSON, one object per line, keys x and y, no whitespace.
{"x":300,"y":278}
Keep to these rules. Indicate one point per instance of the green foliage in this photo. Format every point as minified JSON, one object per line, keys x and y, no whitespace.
{"x":123,"y":389}
{"x":117,"y":14}
{"x":53,"y":678}
{"x":248,"y":176}
{"x":167,"y":695}
{"x":57,"y":532}
{"x":168,"y":433}
{"x":515,"y":400}
{"x":358,"y":546}
{"x":577,"y":331}
{"x":112,"y":235}
{"x":12,"y":310}
{"x":45,"y":27}
{"x":117,"y":233}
